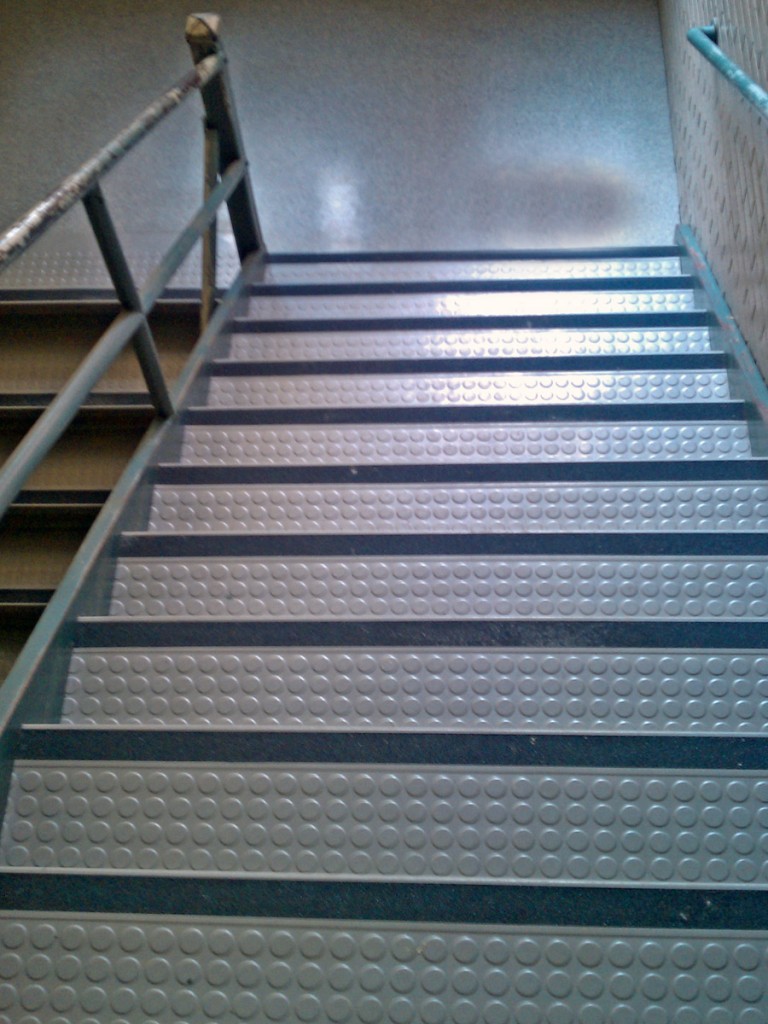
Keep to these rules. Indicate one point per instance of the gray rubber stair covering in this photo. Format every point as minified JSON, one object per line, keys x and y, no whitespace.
{"x":392,"y":271}
{"x":331,"y":751}
{"x":160,"y":968}
{"x":447,"y":587}
{"x":403,"y":444}
{"x":466,"y":304}
{"x":423,"y":689}
{"x":398,"y":390}
{"x":447,"y":508}
{"x":471,"y":344}
{"x":585,"y":826}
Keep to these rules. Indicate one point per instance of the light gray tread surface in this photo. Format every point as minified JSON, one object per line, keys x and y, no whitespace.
{"x":442,"y":587}
{"x":437,"y":270}
{"x":401,"y":444}
{"x":466,"y":389}
{"x":585,"y":826}
{"x":453,"y":689}
{"x":433,"y":344}
{"x":458,"y":508}
{"x":192,"y":969}
{"x":448,"y":304}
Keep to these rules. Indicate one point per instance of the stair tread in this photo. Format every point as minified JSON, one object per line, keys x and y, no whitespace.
{"x":489,"y":507}
{"x":433,"y":688}
{"x":326,"y":968}
{"x":372,"y":444}
{"x":457,"y":269}
{"x":464,"y":304}
{"x":393,"y":822}
{"x":470,"y":344}
{"x":360,"y":390}
{"x":447,"y":587}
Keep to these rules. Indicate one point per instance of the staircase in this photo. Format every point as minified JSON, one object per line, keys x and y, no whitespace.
{"x":427,"y":677}
{"x":43,"y":336}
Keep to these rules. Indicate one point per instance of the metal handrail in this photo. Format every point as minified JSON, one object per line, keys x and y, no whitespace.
{"x":225,"y":181}
{"x":705,"y":39}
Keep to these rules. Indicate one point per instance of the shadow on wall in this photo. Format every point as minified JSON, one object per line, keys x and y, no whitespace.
{"x":558,"y":204}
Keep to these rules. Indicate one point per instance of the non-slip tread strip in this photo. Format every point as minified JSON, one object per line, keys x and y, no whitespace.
{"x":431,"y":508}
{"x":397,"y":390}
{"x":448,"y":587}
{"x":296,"y":346}
{"x":374,"y":444}
{"x":467,"y":304}
{"x":588,"y":827}
{"x":458,"y":690}
{"x":174,"y":969}
{"x":469,"y":269}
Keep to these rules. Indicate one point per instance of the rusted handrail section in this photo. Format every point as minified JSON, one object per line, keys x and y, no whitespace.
{"x":225,"y":181}
{"x":705,"y":39}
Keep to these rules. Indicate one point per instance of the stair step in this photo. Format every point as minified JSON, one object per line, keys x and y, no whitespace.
{"x":398,"y":306}
{"x":296,"y":346}
{"x":442,"y":587}
{"x":339,"y":970}
{"x":601,"y":826}
{"x":467,"y":269}
{"x":364,"y":391}
{"x":488,"y":507}
{"x":424,"y":689}
{"x":374,"y":444}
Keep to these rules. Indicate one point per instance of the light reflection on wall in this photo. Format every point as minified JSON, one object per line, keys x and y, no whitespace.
{"x":339,"y":208}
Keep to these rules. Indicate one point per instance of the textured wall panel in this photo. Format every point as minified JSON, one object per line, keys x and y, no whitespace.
{"x":721,"y":147}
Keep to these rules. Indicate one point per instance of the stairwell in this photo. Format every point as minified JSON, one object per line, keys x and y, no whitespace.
{"x":426,"y":677}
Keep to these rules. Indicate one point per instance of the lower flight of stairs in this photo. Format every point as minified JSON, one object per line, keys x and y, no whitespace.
{"x":42,"y":341}
{"x":430,"y":682}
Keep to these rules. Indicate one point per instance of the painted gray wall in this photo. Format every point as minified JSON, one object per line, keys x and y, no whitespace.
{"x":722,"y":154}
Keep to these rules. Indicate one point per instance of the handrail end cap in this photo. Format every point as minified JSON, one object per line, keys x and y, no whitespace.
{"x":203,"y":28}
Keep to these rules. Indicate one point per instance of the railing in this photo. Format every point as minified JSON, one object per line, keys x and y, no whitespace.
{"x":705,"y":40}
{"x":226,"y":180}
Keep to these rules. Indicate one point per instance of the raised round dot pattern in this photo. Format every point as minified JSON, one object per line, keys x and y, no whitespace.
{"x":426,"y":344}
{"x":492,"y":508}
{"x":501,"y":443}
{"x":214,"y":970}
{"x":262,"y":307}
{"x":587,"y":826}
{"x":492,"y":389}
{"x":454,"y":689}
{"x":443,"y":588}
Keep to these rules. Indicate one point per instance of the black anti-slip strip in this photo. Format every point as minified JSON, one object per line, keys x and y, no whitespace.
{"x":95,"y":401}
{"x":556,"y":412}
{"x":553,"y":473}
{"x":25,"y":595}
{"x":559,"y":285}
{"x":668,"y":321}
{"x":674,"y":362}
{"x":656,"y":751}
{"x":596,"y":907}
{"x":481,"y":255}
{"x":49,"y":296}
{"x":61,"y":497}
{"x":596,"y":544}
{"x":692,"y":635}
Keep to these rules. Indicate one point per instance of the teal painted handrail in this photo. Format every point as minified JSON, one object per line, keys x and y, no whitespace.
{"x":209,"y":76}
{"x":705,"y":41}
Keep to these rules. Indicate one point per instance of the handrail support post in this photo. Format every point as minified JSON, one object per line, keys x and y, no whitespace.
{"x":203,"y":37}
{"x":210,"y":177}
{"x":143,"y":342}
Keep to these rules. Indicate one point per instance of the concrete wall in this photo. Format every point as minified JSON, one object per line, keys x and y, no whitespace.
{"x":721,"y":148}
